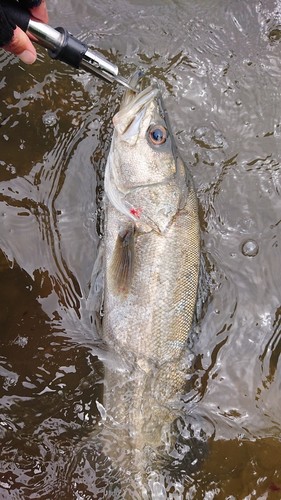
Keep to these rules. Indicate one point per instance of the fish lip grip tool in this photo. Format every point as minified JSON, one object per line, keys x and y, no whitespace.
{"x":63,"y":46}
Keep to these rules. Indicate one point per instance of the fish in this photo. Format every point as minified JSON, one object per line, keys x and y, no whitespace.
{"x":150,"y":273}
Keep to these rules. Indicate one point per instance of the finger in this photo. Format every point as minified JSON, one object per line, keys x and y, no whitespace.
{"x":37,"y":9}
{"x":40,"y":12}
{"x":22,"y":47}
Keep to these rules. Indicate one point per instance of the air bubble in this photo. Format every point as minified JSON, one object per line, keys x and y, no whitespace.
{"x":250,"y":248}
{"x":275,"y":34}
{"x":49,"y":119}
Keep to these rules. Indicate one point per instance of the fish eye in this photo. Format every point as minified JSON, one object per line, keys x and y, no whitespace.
{"x":157,"y":134}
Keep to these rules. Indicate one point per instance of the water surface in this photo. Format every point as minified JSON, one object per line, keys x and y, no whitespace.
{"x":219,"y":66}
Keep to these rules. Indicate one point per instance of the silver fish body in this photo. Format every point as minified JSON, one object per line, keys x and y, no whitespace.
{"x":151,"y":271}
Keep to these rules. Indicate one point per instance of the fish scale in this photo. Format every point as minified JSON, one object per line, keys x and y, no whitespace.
{"x":149,"y":304}
{"x":163,"y":291}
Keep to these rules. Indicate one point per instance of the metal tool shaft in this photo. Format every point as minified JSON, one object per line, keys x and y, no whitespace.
{"x":45,"y":35}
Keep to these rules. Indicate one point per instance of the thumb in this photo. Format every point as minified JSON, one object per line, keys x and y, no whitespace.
{"x":22,"y":47}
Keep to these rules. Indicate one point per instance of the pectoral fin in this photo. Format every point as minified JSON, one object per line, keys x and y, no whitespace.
{"x":122,"y":263}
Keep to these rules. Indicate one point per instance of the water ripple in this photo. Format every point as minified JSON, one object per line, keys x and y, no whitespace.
{"x":219,"y":67}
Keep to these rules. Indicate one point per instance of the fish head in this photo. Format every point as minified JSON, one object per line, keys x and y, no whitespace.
{"x":145,"y":177}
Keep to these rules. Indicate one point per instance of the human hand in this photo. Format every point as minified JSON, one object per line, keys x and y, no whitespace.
{"x":13,"y":39}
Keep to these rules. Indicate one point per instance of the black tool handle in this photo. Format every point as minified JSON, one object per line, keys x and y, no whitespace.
{"x":16,"y":13}
{"x":71,"y":51}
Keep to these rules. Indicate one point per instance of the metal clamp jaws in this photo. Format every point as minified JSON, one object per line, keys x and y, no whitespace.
{"x":63,"y":45}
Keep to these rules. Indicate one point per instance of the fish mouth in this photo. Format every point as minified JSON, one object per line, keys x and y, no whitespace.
{"x":133,"y":104}
{"x":135,"y":82}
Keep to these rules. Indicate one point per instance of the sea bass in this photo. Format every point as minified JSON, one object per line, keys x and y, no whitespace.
{"x":151,"y":248}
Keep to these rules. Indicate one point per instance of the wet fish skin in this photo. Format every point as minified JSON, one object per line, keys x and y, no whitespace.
{"x":152,"y":259}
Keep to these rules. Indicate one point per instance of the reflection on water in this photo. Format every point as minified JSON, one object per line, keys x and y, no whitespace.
{"x":219,"y":63}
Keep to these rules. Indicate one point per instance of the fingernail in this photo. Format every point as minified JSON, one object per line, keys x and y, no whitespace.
{"x":27,"y":57}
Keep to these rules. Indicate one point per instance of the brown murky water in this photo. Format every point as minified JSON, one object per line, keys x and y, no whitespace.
{"x":220,"y":67}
